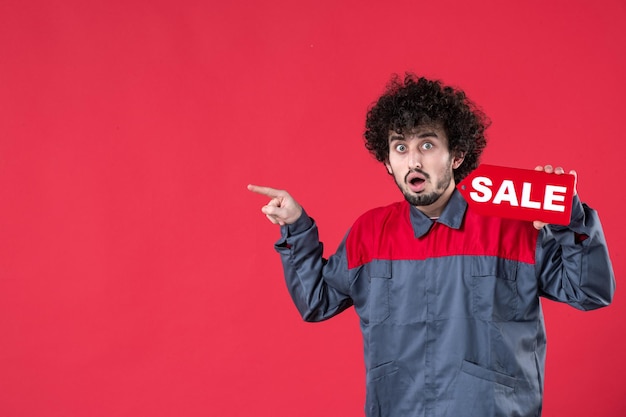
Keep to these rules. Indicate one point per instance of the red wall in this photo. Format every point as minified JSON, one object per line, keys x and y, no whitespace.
{"x":137,"y":274}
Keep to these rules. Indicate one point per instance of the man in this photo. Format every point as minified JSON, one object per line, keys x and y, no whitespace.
{"x":448,"y":300}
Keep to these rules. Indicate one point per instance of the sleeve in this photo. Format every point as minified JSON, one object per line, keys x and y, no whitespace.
{"x":319,"y":287}
{"x":573,"y":264}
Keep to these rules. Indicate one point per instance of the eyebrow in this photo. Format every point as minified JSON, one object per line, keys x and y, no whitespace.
{"x":426,"y":134}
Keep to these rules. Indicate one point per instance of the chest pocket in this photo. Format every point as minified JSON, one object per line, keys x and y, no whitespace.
{"x":494,"y":289}
{"x":380,"y":282}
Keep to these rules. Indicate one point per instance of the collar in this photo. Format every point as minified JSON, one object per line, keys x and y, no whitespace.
{"x":452,"y":215}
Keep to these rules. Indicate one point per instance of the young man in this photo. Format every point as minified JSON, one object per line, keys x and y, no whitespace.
{"x":448,"y":300}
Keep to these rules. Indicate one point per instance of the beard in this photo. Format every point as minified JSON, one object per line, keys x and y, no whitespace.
{"x":433,"y":196}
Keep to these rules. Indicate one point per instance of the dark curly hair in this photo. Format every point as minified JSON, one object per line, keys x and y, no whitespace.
{"x":413,"y":101}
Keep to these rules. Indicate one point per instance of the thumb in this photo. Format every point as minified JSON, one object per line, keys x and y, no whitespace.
{"x":575,"y":174}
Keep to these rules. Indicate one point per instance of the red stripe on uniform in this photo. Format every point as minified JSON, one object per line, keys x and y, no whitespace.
{"x":387,"y":233}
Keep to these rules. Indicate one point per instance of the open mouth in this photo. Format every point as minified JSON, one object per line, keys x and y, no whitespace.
{"x":416,"y":181}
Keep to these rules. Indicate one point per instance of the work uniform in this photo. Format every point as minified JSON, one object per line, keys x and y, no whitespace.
{"x":449,"y":308}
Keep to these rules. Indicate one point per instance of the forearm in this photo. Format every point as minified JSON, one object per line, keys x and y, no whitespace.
{"x":307,"y":273}
{"x":574,"y":264}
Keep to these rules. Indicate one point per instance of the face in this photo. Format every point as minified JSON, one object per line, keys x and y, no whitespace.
{"x":423,"y":167}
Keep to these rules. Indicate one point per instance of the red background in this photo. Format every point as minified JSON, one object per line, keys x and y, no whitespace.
{"x":137,"y":274}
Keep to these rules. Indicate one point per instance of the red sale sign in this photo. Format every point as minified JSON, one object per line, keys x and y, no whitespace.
{"x":523,"y":194}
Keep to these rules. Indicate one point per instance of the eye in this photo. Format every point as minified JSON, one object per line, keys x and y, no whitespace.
{"x":400,"y":147}
{"x":427,"y":146}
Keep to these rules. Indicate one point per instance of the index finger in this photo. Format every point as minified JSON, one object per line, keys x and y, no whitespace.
{"x":267,"y":191}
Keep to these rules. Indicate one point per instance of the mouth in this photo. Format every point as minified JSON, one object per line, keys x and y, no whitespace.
{"x":416,"y":181}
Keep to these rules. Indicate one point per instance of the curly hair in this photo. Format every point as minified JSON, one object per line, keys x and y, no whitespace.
{"x":410,"y":102}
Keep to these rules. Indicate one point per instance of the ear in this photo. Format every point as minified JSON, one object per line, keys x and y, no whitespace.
{"x":389,"y":170}
{"x":458,"y":160}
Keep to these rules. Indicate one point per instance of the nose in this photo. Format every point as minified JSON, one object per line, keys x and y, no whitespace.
{"x":415,"y":159}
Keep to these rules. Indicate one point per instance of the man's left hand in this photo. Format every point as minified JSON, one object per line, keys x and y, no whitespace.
{"x":558,"y":171}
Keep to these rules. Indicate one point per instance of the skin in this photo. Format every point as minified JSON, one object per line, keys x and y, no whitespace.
{"x":423,"y":167}
{"x":558,"y":171}
{"x":282,"y":209}
{"x":422,"y":155}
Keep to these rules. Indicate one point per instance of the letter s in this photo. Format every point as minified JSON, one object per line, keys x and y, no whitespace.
{"x":483,"y":192}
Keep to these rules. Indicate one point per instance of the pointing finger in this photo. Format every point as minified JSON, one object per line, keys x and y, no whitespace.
{"x":266,"y":191}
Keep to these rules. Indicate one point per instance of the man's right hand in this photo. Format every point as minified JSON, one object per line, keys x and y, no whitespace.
{"x":282,"y":208}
